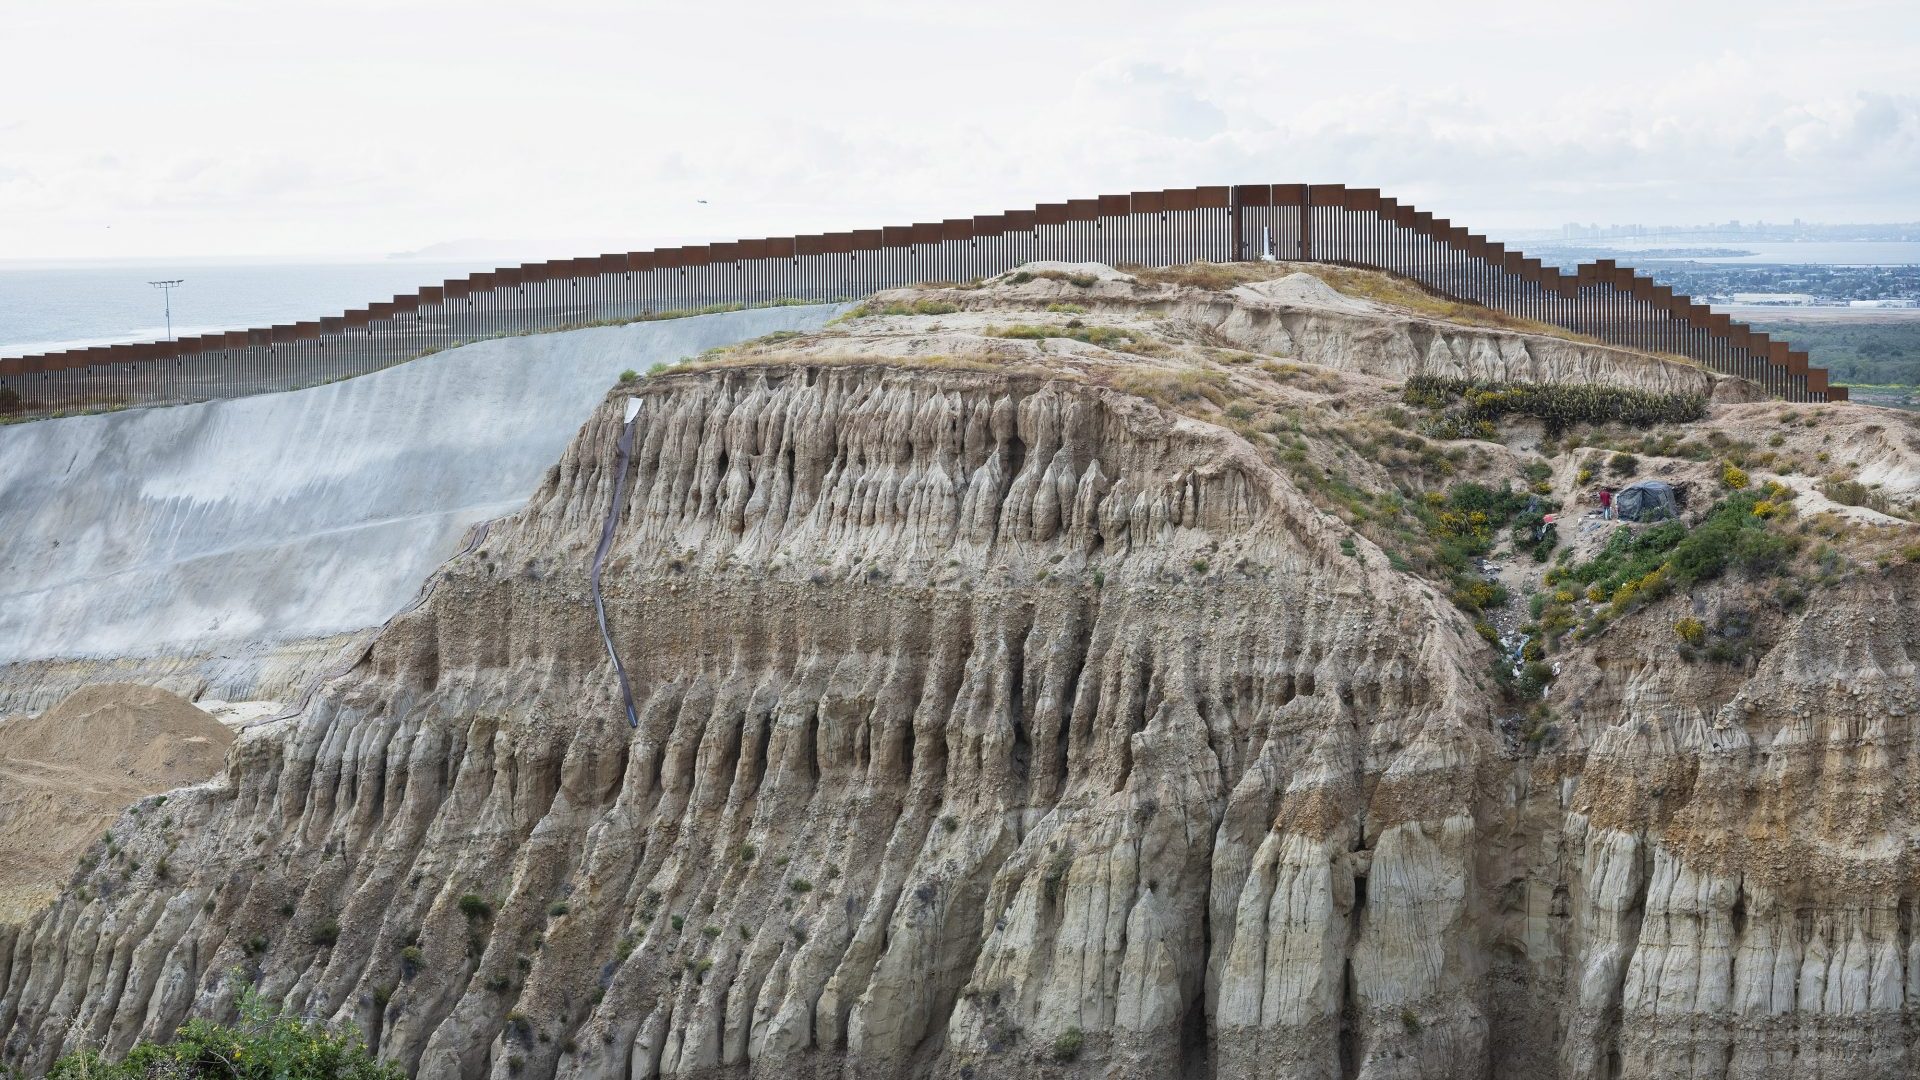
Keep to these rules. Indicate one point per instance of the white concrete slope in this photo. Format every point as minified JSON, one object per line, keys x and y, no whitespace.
{"x":300,"y":514}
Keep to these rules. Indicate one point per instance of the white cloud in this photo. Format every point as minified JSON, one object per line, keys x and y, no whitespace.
{"x":214,"y":126}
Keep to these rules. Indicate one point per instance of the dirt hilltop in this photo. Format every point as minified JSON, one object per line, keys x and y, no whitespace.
{"x":1093,"y":674}
{"x":66,"y":774}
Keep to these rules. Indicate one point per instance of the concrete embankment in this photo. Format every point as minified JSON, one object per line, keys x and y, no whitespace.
{"x":228,"y":547}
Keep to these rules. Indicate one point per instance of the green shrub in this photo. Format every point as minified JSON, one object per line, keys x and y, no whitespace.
{"x":473,"y":907}
{"x":264,"y":1045}
{"x":1731,"y":535}
{"x":1468,"y":517}
{"x":1532,"y":681}
{"x":1638,"y":566}
{"x":1067,"y":1046}
{"x":1056,"y":875}
{"x":326,"y":934}
{"x":800,"y":885}
{"x":557,"y":908}
{"x":1623,"y":465}
{"x":629,"y":376}
{"x":1691,"y":630}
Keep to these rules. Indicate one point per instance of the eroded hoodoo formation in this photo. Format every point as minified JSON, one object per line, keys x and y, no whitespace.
{"x":1010,"y":703}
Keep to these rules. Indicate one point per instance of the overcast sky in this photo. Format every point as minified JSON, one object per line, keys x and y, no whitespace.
{"x":239,"y":127}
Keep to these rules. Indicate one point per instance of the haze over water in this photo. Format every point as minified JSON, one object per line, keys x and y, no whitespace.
{"x":47,"y":309}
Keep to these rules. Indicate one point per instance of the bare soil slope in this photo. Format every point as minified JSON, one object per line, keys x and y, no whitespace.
{"x":66,"y":774}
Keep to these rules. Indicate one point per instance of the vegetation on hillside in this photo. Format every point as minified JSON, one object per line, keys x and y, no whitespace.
{"x":265,"y":1045}
{"x":1639,"y":566}
{"x":1470,"y":409}
{"x":1465,"y":523}
{"x":1856,"y":351}
{"x":872,"y":308}
{"x":1075,"y":330}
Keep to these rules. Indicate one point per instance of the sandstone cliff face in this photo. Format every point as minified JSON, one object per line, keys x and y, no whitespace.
{"x":996,"y":721}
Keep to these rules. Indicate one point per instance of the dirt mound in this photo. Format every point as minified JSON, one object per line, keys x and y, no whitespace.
{"x":67,"y":773}
{"x":1305,"y":290}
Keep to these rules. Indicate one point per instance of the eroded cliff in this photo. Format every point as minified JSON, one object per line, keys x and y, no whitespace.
{"x":1021,"y":691}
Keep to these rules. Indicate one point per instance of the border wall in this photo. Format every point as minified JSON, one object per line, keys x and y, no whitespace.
{"x":1315,"y":222}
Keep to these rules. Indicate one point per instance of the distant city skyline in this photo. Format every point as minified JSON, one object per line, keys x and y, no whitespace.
{"x":1798,"y":228}
{"x":205,"y":127}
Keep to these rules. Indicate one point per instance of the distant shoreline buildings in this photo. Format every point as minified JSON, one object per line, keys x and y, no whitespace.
{"x":1732,"y":230}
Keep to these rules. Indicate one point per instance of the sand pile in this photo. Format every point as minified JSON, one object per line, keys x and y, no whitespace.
{"x":1305,"y":290}
{"x":66,"y":774}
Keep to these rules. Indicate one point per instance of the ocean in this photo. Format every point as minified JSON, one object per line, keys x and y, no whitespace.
{"x":50,"y":308}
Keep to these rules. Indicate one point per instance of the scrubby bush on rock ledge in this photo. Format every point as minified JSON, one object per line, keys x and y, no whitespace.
{"x":264,"y":1045}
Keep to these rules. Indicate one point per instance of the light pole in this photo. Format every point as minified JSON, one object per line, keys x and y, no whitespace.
{"x":166,"y":289}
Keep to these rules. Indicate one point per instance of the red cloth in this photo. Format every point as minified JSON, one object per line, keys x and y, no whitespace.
{"x":1606,"y":498}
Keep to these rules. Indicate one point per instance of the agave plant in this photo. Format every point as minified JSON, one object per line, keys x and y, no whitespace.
{"x":1557,"y":405}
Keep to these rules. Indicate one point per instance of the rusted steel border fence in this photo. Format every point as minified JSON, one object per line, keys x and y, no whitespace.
{"x":1318,"y":222}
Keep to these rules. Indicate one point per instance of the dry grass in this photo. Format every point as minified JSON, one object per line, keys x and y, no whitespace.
{"x":1385,"y":288}
{"x":1021,"y":277}
{"x":1177,"y":388}
{"x":873,"y":308}
{"x":1317,"y":380}
{"x":1205,"y":275}
{"x":982,"y":362}
{"x":1375,"y":285}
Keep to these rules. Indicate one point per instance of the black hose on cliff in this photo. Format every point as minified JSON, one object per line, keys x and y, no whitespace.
{"x":600,"y":556}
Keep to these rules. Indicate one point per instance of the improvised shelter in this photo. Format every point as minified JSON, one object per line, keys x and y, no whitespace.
{"x":1648,"y":500}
